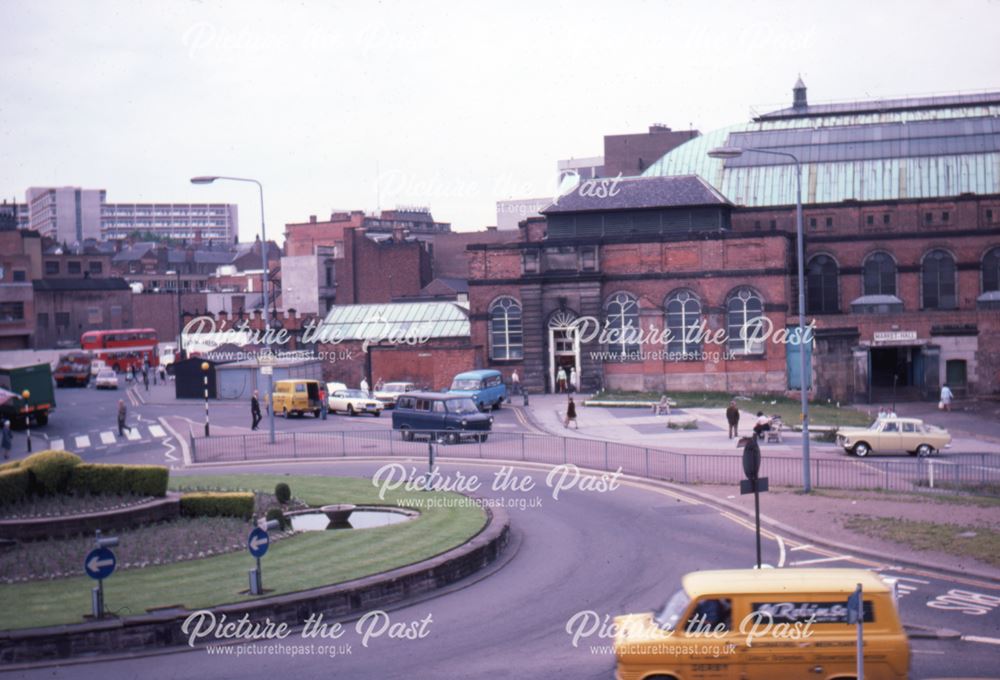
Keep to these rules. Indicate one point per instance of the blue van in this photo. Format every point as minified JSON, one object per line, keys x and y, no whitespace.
{"x":485,"y":387}
{"x":450,"y":417}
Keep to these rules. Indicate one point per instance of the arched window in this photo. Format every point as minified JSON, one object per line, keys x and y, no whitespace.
{"x":880,"y":274}
{"x":745,"y":313}
{"x":622,"y":326}
{"x":821,"y":285}
{"x":991,"y":271}
{"x":506,"y":330}
{"x":683,"y":320}
{"x":938,"y":280}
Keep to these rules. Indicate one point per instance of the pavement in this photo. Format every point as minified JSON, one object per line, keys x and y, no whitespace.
{"x":825,"y":516}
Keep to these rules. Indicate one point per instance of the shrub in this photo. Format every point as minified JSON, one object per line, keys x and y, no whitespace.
{"x":50,"y":470}
{"x":14,"y":485}
{"x":215,"y":504}
{"x":141,"y":480}
{"x":276,"y":513}
{"x":10,"y":465}
{"x":282,"y":492}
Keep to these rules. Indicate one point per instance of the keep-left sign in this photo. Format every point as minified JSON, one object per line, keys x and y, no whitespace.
{"x":100,"y":563}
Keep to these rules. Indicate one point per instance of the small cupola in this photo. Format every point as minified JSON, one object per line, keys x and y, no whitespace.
{"x":799,"y":95}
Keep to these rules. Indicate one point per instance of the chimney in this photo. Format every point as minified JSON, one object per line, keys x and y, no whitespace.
{"x":398,"y":233}
{"x":799,"y":95}
{"x":312,"y":219}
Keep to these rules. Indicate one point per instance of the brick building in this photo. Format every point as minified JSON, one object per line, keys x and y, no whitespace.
{"x":902,"y":239}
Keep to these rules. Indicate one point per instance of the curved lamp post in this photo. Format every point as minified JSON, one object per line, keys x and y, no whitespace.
{"x":736,"y":152}
{"x":204,"y":369}
{"x":208,"y":179}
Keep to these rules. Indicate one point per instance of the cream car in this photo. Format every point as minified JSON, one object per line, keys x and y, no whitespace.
{"x":390,"y":391}
{"x":894,"y":435}
{"x":354,"y":402}
{"x":106,"y":379}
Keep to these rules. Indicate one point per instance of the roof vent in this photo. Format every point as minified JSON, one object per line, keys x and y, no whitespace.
{"x":799,"y":95}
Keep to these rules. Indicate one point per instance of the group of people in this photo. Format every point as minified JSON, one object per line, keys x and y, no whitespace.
{"x":566,"y":380}
{"x":761,"y":425}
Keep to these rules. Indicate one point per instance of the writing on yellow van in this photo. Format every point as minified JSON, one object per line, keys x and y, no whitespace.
{"x":296,"y":397}
{"x":768,"y":623}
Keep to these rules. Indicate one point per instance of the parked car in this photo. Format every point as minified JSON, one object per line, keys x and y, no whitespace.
{"x":444,"y":416}
{"x":391,"y":391}
{"x":756,"y":612}
{"x":296,"y":397}
{"x":485,"y":387}
{"x":354,"y":402}
{"x":894,"y":435}
{"x":106,"y":379}
{"x":332,"y":387}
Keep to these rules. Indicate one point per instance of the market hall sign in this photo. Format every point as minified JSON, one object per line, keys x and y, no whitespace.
{"x":801,"y":612}
{"x":893,"y":337}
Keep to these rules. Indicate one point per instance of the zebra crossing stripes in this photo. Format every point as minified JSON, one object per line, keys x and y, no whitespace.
{"x":82,"y":441}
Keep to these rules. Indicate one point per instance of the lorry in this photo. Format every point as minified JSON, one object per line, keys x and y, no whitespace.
{"x":28,"y":394}
{"x":73,"y":369}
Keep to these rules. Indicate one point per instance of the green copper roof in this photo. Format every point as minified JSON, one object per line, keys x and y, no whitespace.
{"x":397,"y":321}
{"x":936,"y":147}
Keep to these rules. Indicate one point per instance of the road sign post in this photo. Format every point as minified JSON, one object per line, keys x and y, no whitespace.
{"x":257,"y":543}
{"x":99,"y":564}
{"x":753,"y":483}
{"x":856,"y":615}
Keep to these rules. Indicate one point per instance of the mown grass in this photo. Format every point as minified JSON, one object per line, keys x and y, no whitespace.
{"x":307,"y":560}
{"x":821,"y":413}
{"x":984,"y":545}
{"x":901,"y":496}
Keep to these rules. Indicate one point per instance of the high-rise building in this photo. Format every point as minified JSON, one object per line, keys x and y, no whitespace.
{"x":67,"y":214}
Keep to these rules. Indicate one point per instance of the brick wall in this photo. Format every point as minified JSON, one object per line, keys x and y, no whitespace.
{"x":380,"y":271}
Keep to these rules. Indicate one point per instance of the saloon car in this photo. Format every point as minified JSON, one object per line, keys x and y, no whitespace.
{"x":354,"y":402}
{"x":106,"y":379}
{"x":894,"y":435}
{"x":389,"y":392}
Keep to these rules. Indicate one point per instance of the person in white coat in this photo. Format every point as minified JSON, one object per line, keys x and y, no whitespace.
{"x":364,"y":386}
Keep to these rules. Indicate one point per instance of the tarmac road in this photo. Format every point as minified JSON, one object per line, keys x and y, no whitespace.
{"x":614,"y":552}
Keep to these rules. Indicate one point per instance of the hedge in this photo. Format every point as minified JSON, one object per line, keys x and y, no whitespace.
{"x":213,"y":504}
{"x":50,"y":470}
{"x":10,"y":465}
{"x":14,"y":485}
{"x":141,"y":480}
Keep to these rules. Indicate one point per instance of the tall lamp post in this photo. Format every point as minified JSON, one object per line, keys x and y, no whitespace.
{"x":208,"y":179}
{"x":26,"y":395}
{"x":735,"y":152}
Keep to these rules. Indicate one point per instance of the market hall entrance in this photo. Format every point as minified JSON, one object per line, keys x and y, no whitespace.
{"x":896,"y":373}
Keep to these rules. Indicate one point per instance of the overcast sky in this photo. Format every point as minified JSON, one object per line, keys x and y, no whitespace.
{"x":452,"y":105}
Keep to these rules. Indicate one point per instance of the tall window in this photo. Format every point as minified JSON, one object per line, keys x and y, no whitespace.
{"x":938,"y":280}
{"x":506,"y":330}
{"x":622,"y":325}
{"x":880,"y":274}
{"x":683,"y":320}
{"x":821,"y":285}
{"x":991,"y":271}
{"x":745,"y":313}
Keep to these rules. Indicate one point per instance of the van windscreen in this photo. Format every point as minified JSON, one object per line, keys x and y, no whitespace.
{"x":465,"y":384}
{"x":672,"y":611}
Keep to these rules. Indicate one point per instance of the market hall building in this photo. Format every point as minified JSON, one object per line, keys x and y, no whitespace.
{"x":902,"y":237}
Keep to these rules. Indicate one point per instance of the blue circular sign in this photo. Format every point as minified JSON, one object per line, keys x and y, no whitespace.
{"x":100,"y":563}
{"x":258,"y":542}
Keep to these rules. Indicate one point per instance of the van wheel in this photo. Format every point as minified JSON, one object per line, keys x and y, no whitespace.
{"x":483,"y":437}
{"x":42,"y":419}
{"x":284,"y":413}
{"x":496,"y":406}
{"x":453,"y":437}
{"x":861,"y":450}
{"x":350,"y":410}
{"x":316,"y":413}
{"x":406,"y":434}
{"x":924,"y":450}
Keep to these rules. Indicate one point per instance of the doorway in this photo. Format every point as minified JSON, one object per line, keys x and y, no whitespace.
{"x":896,"y":373}
{"x":564,"y":352}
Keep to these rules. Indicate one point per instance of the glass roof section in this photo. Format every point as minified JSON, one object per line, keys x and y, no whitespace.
{"x":401,"y":322}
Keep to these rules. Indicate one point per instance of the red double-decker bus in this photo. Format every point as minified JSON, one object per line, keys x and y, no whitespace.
{"x":122,"y":349}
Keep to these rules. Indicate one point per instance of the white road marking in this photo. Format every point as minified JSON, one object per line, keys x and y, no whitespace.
{"x":82,"y":441}
{"x":976,"y":638}
{"x":58,"y":443}
{"x":818,"y":560}
{"x":157,"y":431}
{"x":800,"y":547}
{"x":107,"y":437}
{"x":916,"y":651}
{"x":133,"y":434}
{"x":168,"y":454}
{"x":781,"y":548}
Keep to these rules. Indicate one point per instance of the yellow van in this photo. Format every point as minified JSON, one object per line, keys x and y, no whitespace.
{"x":768,"y":623}
{"x":296,"y":397}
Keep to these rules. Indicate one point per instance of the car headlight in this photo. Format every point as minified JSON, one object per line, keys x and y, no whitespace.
{"x":465,"y":423}
{"x":491,"y":420}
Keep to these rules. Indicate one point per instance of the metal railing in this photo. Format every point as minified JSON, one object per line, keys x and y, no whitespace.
{"x":975,"y":473}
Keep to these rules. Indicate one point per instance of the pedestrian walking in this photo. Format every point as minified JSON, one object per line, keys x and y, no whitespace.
{"x":255,"y":416}
{"x":131,"y":373}
{"x":122,"y":413}
{"x":145,"y":378}
{"x":515,"y":383}
{"x":364,"y":387}
{"x":946,"y":398}
{"x":6,"y":439}
{"x":324,"y":404}
{"x":733,"y":418}
{"x":571,"y":414}
{"x":561,"y":380}
{"x":163,"y":374}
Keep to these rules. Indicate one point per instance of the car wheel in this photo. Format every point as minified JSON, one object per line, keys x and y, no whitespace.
{"x":861,"y":450}
{"x":924,"y":450}
{"x":351,"y":411}
{"x":406,"y":434}
{"x":377,"y":414}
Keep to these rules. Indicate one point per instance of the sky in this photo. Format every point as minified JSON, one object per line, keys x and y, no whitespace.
{"x":449,"y":105}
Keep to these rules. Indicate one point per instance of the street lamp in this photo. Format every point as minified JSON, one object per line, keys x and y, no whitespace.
{"x":735,"y":152}
{"x":208,"y":179}
{"x":26,"y":394}
{"x":204,"y":369}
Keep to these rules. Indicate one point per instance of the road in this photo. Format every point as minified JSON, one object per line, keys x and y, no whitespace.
{"x":619,"y":551}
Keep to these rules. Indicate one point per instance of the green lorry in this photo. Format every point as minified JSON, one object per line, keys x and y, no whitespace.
{"x":28,"y":394}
